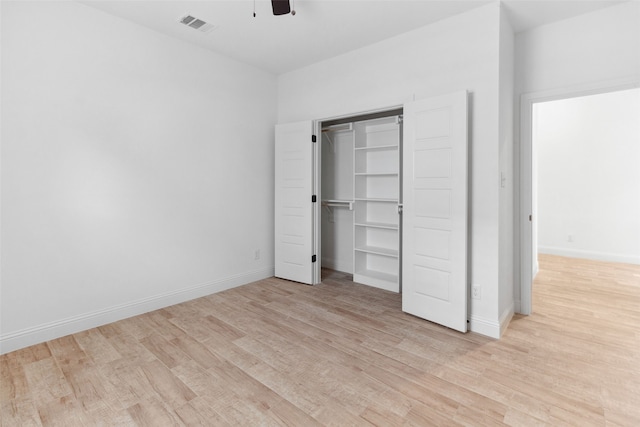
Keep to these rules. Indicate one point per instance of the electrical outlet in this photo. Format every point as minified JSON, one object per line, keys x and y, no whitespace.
{"x":476,"y":292}
{"x":570,"y":238}
{"x":256,"y":254}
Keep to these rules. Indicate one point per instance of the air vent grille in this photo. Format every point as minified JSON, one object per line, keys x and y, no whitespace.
{"x":197,"y":24}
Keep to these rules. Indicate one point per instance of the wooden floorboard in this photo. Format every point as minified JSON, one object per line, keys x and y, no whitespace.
{"x":278,"y":353}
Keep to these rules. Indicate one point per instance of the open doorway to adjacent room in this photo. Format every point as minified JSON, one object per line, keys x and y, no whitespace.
{"x":584,"y":194}
{"x":587,"y":153}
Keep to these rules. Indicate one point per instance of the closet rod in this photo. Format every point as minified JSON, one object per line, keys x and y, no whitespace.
{"x":338,"y":204}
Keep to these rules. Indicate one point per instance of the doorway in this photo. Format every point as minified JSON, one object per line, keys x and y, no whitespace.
{"x":434,"y":209}
{"x":581,"y":199}
{"x":360,"y":194}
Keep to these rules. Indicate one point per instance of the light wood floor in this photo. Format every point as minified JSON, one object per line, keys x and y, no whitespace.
{"x":279,"y":353}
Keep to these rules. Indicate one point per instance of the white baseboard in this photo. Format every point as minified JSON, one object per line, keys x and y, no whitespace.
{"x":492,"y":328}
{"x":598,"y":256}
{"x":60,"y":328}
{"x":486,"y":327}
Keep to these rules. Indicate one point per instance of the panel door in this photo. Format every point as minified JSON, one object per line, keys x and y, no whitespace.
{"x":293,"y":206}
{"x":434,"y":237}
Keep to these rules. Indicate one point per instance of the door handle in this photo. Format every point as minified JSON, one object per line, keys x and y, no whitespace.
{"x":400,"y":208}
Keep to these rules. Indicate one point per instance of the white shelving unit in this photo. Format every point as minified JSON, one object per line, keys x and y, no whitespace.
{"x":377,"y":197}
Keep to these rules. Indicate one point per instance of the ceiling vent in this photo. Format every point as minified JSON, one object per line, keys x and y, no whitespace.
{"x":195,"y":23}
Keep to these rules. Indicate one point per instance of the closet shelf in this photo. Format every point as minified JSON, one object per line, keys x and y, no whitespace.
{"x":338,"y":204}
{"x":345,"y":127}
{"x":378,"y":251}
{"x":377,"y":148}
{"x":377,"y":225}
{"x":384,"y":127}
{"x":376,"y":275}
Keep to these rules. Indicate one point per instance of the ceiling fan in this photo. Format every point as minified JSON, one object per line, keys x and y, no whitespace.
{"x":279,"y":7}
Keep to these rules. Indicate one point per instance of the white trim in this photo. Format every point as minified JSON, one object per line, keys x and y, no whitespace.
{"x":526,"y":108}
{"x":316,"y":221}
{"x":505,"y":318}
{"x":486,"y":327}
{"x":489,"y":327}
{"x":516,"y":306}
{"x":598,"y":256}
{"x":526,"y":202}
{"x":59,"y":328}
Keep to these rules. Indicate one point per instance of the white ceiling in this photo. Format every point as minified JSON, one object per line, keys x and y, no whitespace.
{"x":320,"y":29}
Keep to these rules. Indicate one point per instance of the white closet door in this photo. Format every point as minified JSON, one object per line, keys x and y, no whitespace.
{"x":434,"y":237}
{"x":293,"y":206}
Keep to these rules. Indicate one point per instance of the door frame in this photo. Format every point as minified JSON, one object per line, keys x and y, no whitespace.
{"x":317,"y":179}
{"x":526,"y":208}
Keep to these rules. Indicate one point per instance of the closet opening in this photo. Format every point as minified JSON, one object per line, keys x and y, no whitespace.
{"x":359,"y":179}
{"x":382,"y":197}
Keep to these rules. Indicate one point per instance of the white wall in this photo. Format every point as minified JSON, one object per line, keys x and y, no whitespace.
{"x":506,"y":87}
{"x":457,"y":53}
{"x":595,"y":49}
{"x":589,"y":179}
{"x":137,"y":171}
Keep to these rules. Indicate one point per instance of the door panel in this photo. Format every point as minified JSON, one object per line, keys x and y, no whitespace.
{"x":293,"y":206}
{"x":434,"y":258}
